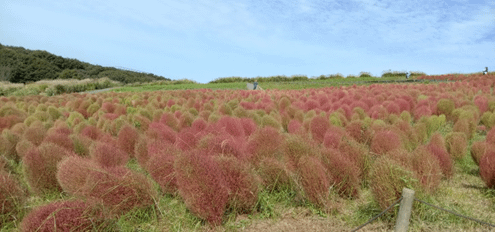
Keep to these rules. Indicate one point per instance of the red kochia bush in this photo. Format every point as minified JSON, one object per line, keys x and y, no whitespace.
{"x":12,"y":197}
{"x":385,"y":141}
{"x":249,"y":126}
{"x":40,"y":167}
{"x":275,"y":175}
{"x":119,"y":189}
{"x":426,"y":168}
{"x":242,"y":182}
{"x":91,"y":132}
{"x":487,"y":168}
{"x":72,"y":173}
{"x":478,"y":150}
{"x":127,"y":139}
{"x":232,"y":126}
{"x":314,"y":180}
{"x":333,"y":137}
{"x":319,"y":126}
{"x":343,"y":174}
{"x":202,"y":186}
{"x":264,"y":142}
{"x":161,"y":132}
{"x":35,"y":134}
{"x":108,"y":155}
{"x":161,"y":166}
{"x":75,"y":215}
{"x":294,"y":126}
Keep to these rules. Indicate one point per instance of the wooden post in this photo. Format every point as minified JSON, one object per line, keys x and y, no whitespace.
{"x":405,"y":208}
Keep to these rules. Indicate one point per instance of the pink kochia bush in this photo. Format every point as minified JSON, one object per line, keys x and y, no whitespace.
{"x":202,"y":185}
{"x":127,"y":139}
{"x":74,"y":215}
{"x":385,"y":141}
{"x":161,"y":166}
{"x":118,"y":188}
{"x":242,"y":182}
{"x":319,"y":126}
{"x":487,"y":168}
{"x":12,"y":197}
{"x":40,"y":167}
{"x":108,"y":155}
{"x":314,"y":180}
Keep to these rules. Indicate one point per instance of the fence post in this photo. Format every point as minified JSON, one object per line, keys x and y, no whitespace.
{"x":402,"y":222}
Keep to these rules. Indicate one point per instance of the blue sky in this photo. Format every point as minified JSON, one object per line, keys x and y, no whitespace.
{"x":203,"y":40}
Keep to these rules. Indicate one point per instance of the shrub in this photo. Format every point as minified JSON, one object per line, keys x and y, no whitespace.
{"x":12,"y":198}
{"x":161,"y":132}
{"x":35,"y":134}
{"x":268,"y":120}
{"x":479,"y":149}
{"x":108,"y":155}
{"x":161,"y":167}
{"x":444,"y":159}
{"x":60,"y":139}
{"x":487,"y":168}
{"x":170,"y":120}
{"x":81,"y":144}
{"x":359,"y":154}
{"x":318,"y":127}
{"x":388,"y":178}
{"x":275,"y":175}
{"x":141,"y":150}
{"x":445,"y":106}
{"x":427,"y":168}
{"x":232,"y":126}
{"x":199,"y":125}
{"x":456,"y":144}
{"x":91,"y":132}
{"x":333,"y":137}
{"x":242,"y":182}
{"x":385,"y":141}
{"x":119,"y":189}
{"x":343,"y":173}
{"x":40,"y":167}
{"x":314,"y":180}
{"x":294,"y":126}
{"x":23,"y":147}
{"x":249,"y":126}
{"x":202,"y":186}
{"x":186,"y":140}
{"x":72,"y":173}
{"x":224,"y":144}
{"x":127,"y":139}
{"x":462,"y":125}
{"x":74,"y":215}
{"x":296,"y":146}
{"x":265,"y":142}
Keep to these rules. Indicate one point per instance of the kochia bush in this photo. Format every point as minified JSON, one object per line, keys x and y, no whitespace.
{"x":487,"y":168}
{"x":314,"y":180}
{"x":74,"y":215}
{"x":40,"y":167}
{"x":202,"y":186}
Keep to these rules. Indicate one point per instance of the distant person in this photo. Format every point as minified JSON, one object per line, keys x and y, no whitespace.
{"x":255,"y":84}
{"x":407,"y":75}
{"x":486,"y":71}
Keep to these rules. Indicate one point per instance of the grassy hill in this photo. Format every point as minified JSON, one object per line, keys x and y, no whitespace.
{"x":20,"y":65}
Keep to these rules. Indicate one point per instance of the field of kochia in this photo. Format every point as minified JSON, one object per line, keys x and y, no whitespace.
{"x":108,"y":154}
